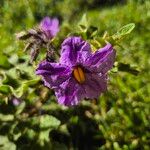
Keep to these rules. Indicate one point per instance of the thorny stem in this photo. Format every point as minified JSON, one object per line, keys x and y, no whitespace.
{"x":51,"y":52}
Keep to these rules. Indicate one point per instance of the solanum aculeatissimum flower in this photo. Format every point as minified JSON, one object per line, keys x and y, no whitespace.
{"x":49,"y":26}
{"x":79,"y":73}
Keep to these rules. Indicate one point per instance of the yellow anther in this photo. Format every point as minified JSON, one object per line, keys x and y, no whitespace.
{"x":79,"y":74}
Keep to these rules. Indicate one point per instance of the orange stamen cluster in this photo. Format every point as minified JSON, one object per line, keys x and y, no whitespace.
{"x":79,"y":74}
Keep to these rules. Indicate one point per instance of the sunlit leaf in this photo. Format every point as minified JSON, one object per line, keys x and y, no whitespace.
{"x":4,"y":63}
{"x":45,"y":122}
{"x":125,"y":30}
{"x":20,"y":108}
{"x":83,"y":23}
{"x":6,"y":117}
{"x":13,"y":59}
{"x":5,"y":144}
{"x":31,"y":134}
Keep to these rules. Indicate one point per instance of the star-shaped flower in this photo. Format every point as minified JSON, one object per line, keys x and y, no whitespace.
{"x":79,"y":73}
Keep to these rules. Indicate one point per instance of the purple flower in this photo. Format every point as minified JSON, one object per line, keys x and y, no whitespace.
{"x":49,"y":27}
{"x":80,"y":73}
{"x":16,"y":101}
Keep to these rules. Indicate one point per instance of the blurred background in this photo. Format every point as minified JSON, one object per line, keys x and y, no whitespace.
{"x":29,"y":114}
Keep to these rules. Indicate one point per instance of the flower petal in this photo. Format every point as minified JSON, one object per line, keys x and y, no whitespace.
{"x":102,"y":60}
{"x":95,"y":85}
{"x":49,"y":26}
{"x":70,"y":93}
{"x":74,"y":51}
{"x":53,"y":74}
{"x":54,"y":26}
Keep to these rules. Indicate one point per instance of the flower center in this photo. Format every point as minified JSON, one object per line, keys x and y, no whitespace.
{"x":79,"y":74}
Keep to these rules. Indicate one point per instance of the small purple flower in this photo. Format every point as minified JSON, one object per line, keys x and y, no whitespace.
{"x":16,"y":101}
{"x":80,"y":73}
{"x":49,"y":27}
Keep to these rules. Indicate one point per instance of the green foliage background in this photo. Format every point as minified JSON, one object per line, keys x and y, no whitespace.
{"x":120,"y":120}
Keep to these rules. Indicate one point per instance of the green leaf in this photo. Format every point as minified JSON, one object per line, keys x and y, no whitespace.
{"x":5,"y":89}
{"x":20,"y":108}
{"x":82,"y":27}
{"x":43,"y":137}
{"x":127,"y":68}
{"x":125,"y":30}
{"x":13,"y":59}
{"x":6,"y":117}
{"x":91,"y":31}
{"x":98,"y":42}
{"x":4,"y":63}
{"x":45,"y":122}
{"x":11,"y":79}
{"x":74,"y":119}
{"x":25,"y":86}
{"x":25,"y":69}
{"x":5,"y":144}
{"x":31,"y":134}
{"x":32,"y":82}
{"x":14,"y":132}
{"x":83,"y":23}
